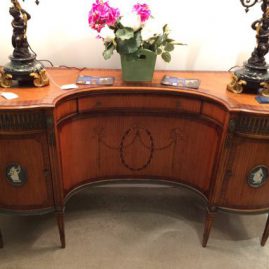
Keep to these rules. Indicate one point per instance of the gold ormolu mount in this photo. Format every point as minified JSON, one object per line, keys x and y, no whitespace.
{"x":253,"y":77}
{"x":5,"y":79}
{"x":236,"y":85}
{"x":239,"y":83}
{"x":39,"y":79}
{"x":23,"y":66}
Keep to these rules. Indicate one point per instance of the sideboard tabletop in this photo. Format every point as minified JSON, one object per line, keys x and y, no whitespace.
{"x":213,"y":86}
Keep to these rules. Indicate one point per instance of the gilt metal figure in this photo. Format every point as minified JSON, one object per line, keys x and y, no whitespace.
{"x":23,"y":66}
{"x":254,"y":76}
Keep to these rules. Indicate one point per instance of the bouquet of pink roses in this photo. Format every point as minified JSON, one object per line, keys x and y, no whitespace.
{"x":131,"y":33}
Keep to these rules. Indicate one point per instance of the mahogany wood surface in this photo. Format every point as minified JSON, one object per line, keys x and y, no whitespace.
{"x":31,"y":153}
{"x":209,"y":140}
{"x":213,"y":86}
{"x":107,"y":146}
{"x":1,"y":240}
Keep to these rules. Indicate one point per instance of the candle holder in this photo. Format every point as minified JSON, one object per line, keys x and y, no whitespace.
{"x":254,"y":76}
{"x":23,"y":66}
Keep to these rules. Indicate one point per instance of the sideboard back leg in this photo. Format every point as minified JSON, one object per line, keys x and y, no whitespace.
{"x":60,"y":221}
{"x":1,"y":240}
{"x":265,"y":233}
{"x":210,"y":216}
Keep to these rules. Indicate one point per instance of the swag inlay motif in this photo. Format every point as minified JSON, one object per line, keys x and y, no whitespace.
{"x":138,"y":140}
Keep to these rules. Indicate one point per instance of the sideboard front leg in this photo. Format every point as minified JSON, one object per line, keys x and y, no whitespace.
{"x":1,"y":240}
{"x":265,"y":233}
{"x":60,"y":221}
{"x":210,"y":216}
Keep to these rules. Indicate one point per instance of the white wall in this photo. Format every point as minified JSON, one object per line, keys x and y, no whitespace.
{"x":217,"y":32}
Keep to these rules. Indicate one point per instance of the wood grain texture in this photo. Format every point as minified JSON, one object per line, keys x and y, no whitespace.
{"x":139,"y":101}
{"x":133,"y":146}
{"x":214,"y":111}
{"x":245,"y":155}
{"x":31,"y":153}
{"x":213,"y":87}
{"x":1,"y":240}
{"x":209,"y":219}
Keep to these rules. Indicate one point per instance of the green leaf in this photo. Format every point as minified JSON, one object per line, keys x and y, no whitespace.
{"x":166,"y":56}
{"x":138,"y":38}
{"x":151,"y":41}
{"x":166,"y":29}
{"x":108,"y":45}
{"x":178,"y":43}
{"x":127,"y":46}
{"x":125,"y":33}
{"x":170,"y":40}
{"x":169,"y":47}
{"x":130,"y":45}
{"x":165,"y":36}
{"x":164,"y":43}
{"x":146,"y":45}
{"x":108,"y":52}
{"x":159,"y":41}
{"x":159,"y":51}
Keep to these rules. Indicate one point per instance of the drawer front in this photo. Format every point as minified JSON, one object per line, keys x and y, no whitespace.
{"x":66,"y":109}
{"x":214,"y":112}
{"x":139,"y":101}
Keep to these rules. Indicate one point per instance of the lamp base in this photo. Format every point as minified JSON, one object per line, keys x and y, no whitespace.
{"x":250,"y":79}
{"x":26,"y":71}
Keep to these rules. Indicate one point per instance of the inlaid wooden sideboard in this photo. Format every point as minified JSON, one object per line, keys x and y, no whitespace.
{"x":56,"y":142}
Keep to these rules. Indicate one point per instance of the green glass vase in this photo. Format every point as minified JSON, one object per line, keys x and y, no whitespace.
{"x":138,"y":68}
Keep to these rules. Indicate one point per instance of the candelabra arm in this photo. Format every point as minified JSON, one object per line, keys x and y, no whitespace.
{"x":249,"y":3}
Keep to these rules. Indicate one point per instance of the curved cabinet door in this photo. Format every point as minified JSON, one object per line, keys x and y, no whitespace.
{"x":112,"y":147}
{"x":246,"y":184}
{"x":24,"y":173}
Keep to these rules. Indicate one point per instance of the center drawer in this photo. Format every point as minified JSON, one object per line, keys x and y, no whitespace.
{"x":139,"y":101}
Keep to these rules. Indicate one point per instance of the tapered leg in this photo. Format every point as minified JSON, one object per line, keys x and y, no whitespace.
{"x":210,"y":216}
{"x":1,"y":240}
{"x":60,"y":221}
{"x":265,"y":233}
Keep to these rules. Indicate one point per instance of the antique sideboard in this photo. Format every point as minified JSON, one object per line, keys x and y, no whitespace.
{"x":55,"y":142}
